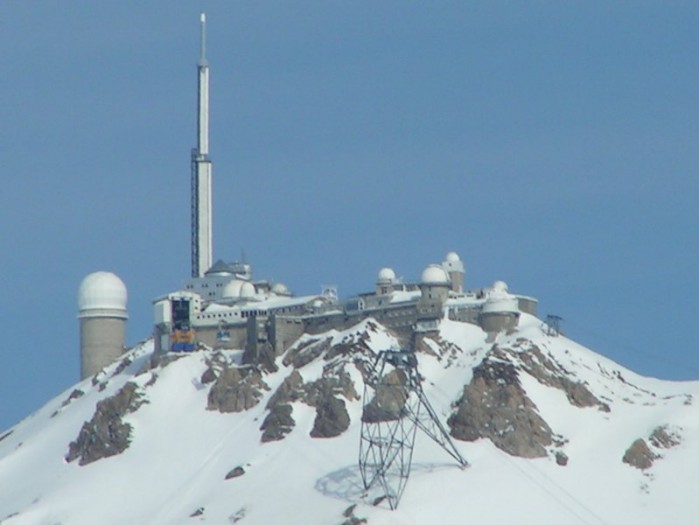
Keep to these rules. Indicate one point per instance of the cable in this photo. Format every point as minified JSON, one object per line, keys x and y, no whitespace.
{"x":504,"y":457}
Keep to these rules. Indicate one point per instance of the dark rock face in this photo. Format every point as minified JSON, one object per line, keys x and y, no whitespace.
{"x":106,"y":434}
{"x":306,"y":353}
{"x":389,"y":400}
{"x":663,"y":437}
{"x":331,"y":419}
{"x":331,"y":413}
{"x":290,"y":390}
{"x":495,"y":406}
{"x":550,"y":373}
{"x":561,"y":458}
{"x":262,"y":356}
{"x":639,"y":455}
{"x":236,"y":389}
{"x":235,"y":473}
{"x":278,"y":423}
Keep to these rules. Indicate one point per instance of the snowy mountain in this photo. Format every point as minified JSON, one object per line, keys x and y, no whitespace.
{"x":552,"y":432}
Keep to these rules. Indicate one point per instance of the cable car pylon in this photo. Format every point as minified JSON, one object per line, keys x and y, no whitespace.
{"x":394,"y":407}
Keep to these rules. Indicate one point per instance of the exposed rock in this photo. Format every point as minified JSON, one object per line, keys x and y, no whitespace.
{"x":290,"y":390}
{"x":331,"y":384}
{"x":389,"y":399}
{"x":331,"y":419}
{"x":122,"y":366}
{"x":261,"y":355}
{"x":350,"y":348}
{"x":278,"y":423}
{"x":550,"y":373}
{"x":209,"y":376}
{"x":214,"y":365}
{"x":351,"y":518}
{"x":561,"y":458}
{"x":495,"y":406}
{"x":639,"y":455}
{"x":198,"y":512}
{"x":236,"y":389}
{"x":663,"y":437}
{"x":75,"y":394}
{"x":6,"y":434}
{"x":235,"y":473}
{"x":106,"y":434}
{"x":331,"y":414}
{"x":307,"y":352}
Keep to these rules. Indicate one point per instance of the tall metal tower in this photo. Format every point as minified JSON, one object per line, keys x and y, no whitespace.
{"x":395,"y":406}
{"x":201,"y":171}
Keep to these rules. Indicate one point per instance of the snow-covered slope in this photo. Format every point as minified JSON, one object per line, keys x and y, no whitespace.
{"x":188,"y":459}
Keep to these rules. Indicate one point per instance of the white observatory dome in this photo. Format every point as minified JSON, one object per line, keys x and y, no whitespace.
{"x":434,"y":274}
{"x":247,"y":290}
{"x":453,"y":257}
{"x":232,"y":289}
{"x":387,"y":274}
{"x":500,"y":287}
{"x":280,"y":289}
{"x":102,"y":291}
{"x":500,"y":300}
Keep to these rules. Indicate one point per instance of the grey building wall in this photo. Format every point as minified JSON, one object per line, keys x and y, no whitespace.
{"x":498,"y":321}
{"x":528,"y":305}
{"x":101,"y":343}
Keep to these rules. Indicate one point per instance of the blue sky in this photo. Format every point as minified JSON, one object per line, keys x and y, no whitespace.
{"x":553,"y":145}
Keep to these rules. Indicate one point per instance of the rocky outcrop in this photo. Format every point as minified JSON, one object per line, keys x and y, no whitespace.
{"x":350,"y":518}
{"x":261,"y":355}
{"x":235,"y":473}
{"x":306,"y":352}
{"x":323,"y":394}
{"x":236,"y":389}
{"x":664,"y":437}
{"x":495,"y":406}
{"x":548,"y":372}
{"x":106,"y":434}
{"x":389,"y":399}
{"x":642,"y":455}
{"x":278,"y":423}
{"x":639,"y":455}
{"x":331,"y":418}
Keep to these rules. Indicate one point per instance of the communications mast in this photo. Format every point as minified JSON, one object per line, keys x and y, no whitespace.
{"x":201,"y":170}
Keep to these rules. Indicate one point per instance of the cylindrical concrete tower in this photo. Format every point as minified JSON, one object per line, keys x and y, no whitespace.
{"x":455,"y":268}
{"x":102,"y":313}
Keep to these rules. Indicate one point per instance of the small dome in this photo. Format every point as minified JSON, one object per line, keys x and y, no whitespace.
{"x":220,"y":268}
{"x":434,"y":274}
{"x":280,"y":289}
{"x":500,"y":287}
{"x":500,"y":300}
{"x":453,"y":257}
{"x":102,"y":290}
{"x":232,"y":289}
{"x":247,"y":290}
{"x":387,"y":274}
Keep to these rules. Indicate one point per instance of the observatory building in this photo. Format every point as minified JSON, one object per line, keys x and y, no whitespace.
{"x":223,"y":306}
{"x":102,"y":312}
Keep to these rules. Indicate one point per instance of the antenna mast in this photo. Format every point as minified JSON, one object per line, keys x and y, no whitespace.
{"x":201,"y":208}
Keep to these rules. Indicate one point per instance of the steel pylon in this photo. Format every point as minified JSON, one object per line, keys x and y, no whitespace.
{"x":394,"y":407}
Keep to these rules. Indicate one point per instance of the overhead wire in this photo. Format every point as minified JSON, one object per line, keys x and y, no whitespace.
{"x":506,"y":459}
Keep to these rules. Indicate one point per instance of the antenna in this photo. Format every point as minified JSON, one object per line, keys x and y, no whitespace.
{"x":202,"y":58}
{"x":395,"y":406}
